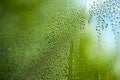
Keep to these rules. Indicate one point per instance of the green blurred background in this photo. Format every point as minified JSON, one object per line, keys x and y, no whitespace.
{"x":51,"y":40}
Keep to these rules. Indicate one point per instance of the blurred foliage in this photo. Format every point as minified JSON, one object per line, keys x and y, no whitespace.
{"x":88,"y":61}
{"x":49,"y":40}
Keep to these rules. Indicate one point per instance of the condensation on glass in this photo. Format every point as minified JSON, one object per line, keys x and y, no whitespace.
{"x":60,"y":40}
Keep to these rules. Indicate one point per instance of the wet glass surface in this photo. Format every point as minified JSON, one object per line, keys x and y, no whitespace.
{"x":59,"y":40}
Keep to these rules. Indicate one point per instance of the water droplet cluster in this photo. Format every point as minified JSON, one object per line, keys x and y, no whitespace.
{"x":106,"y":17}
{"x":51,"y":42}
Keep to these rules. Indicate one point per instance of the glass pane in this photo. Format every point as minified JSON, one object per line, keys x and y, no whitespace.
{"x":59,"y":39}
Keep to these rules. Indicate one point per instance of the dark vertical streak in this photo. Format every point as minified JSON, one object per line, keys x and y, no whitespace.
{"x":70,"y":61}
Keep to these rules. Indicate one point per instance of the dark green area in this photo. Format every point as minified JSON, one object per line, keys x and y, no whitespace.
{"x":40,"y":40}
